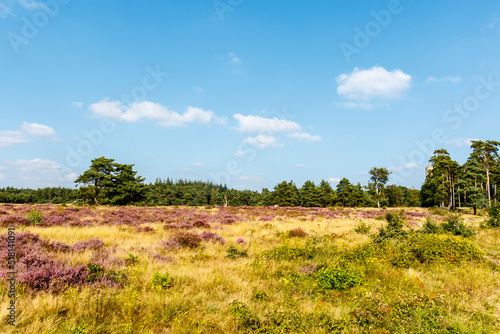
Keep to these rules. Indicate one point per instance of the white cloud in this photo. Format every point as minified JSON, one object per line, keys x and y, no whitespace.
{"x":77,"y":104}
{"x":260,"y":124}
{"x":38,"y":173}
{"x":304,"y":136}
{"x":263,"y":141}
{"x":255,"y":178}
{"x":155,"y":111}
{"x":409,"y":165}
{"x":10,"y":137}
{"x":197,"y":164}
{"x":333,"y":180}
{"x":27,"y":132}
{"x":2,"y":177}
{"x":234,"y":59}
{"x":377,"y":82}
{"x":451,"y":79}
{"x":36,"y":129}
{"x":460,"y":142}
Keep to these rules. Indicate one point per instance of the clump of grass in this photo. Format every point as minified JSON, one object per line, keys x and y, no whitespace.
{"x":287,"y":253}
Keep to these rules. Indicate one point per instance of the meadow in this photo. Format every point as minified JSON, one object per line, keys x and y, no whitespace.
{"x":102,"y":269}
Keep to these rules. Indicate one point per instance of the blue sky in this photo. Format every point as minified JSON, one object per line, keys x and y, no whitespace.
{"x":248,"y":93}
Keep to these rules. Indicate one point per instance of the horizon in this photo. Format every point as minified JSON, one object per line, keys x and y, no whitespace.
{"x":247,"y":93}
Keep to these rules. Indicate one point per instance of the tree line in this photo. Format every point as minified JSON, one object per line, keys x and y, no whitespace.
{"x":472,"y":184}
{"x":109,"y":182}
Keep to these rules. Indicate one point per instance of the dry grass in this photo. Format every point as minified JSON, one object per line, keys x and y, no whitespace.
{"x":465,"y":298}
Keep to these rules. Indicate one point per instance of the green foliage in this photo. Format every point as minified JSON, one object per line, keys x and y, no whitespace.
{"x":431,"y":227}
{"x":260,"y":295}
{"x":95,"y":272}
{"x":494,"y":216}
{"x":338,"y":278}
{"x":247,"y":319}
{"x":394,"y":228}
{"x":362,"y":228}
{"x":34,"y":217}
{"x":456,"y":226}
{"x":162,"y":281}
{"x":429,"y":248}
{"x":132,"y":259}
{"x":287,"y":253}
{"x":234,"y":253}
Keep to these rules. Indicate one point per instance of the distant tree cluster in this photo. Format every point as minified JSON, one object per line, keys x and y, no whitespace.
{"x":473,"y":184}
{"x":109,"y":182}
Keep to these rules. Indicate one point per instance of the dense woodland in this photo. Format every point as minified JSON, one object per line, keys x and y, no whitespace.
{"x":448,"y":184}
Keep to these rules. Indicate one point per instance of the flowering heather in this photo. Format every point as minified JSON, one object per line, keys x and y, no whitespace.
{"x":185,"y":239}
{"x":310,"y":268}
{"x":201,"y":223}
{"x":213,"y":237}
{"x":164,"y":259}
{"x":240,"y":241}
{"x":145,"y":229}
{"x":92,"y":244}
{"x":178,"y":226}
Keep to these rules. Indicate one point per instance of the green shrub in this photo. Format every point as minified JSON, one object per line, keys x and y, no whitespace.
{"x":431,"y":227}
{"x":161,"y":281}
{"x":455,"y":225}
{"x":234,"y":253}
{"x":248,"y":320}
{"x":494,"y":216}
{"x":95,"y":272}
{"x":362,"y":228}
{"x":394,"y":228}
{"x":34,"y":217}
{"x":430,"y":248}
{"x":259,"y":295}
{"x":131,"y":259}
{"x":338,"y":278}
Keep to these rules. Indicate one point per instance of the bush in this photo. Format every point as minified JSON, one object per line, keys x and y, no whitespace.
{"x":394,"y":228}
{"x":161,"y":281}
{"x":187,"y":239}
{"x":338,"y":278}
{"x":233,"y":253}
{"x":297,"y":232}
{"x":494,"y":216}
{"x":362,"y":228}
{"x":131,"y":259}
{"x":455,"y":225}
{"x":92,"y":244}
{"x":431,"y":227}
{"x":34,"y":217}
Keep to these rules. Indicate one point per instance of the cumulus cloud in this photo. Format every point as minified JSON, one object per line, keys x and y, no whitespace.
{"x":197,"y":164}
{"x":254,"y":178}
{"x":333,"y":180}
{"x":377,"y":82}
{"x":37,"y":129}
{"x":27,"y":133}
{"x":304,"y":136}
{"x":451,"y":79}
{"x":460,"y":142}
{"x":409,"y":165}
{"x":260,"y":124}
{"x":154,"y":111}
{"x":263,"y":141}
{"x":37,"y":173}
{"x":239,"y":154}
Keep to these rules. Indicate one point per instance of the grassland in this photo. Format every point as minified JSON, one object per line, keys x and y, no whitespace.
{"x":249,"y":270}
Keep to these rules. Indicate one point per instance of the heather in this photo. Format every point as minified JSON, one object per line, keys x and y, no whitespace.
{"x":100,"y":269}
